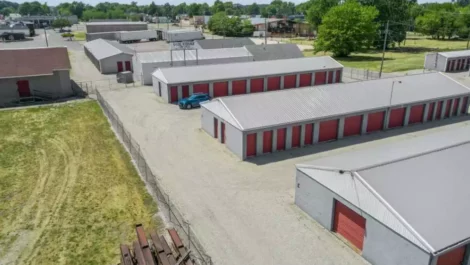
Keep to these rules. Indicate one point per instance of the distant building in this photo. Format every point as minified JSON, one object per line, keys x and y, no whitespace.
{"x":281,"y":26}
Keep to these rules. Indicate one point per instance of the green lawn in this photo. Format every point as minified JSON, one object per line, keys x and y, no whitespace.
{"x":79,"y":35}
{"x":407,"y":57}
{"x":69,"y":193}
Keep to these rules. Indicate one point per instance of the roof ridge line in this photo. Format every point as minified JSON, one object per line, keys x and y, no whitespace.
{"x":455,"y":81}
{"x":231,"y":114}
{"x":411,"y":156}
{"x":394,"y":212}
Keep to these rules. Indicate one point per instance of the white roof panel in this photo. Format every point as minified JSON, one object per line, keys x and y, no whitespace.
{"x":455,"y":54}
{"x":191,"y":55}
{"x":103,"y":48}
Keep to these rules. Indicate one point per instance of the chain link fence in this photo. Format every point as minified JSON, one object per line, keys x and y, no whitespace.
{"x":90,"y":87}
{"x":360,"y":74}
{"x":166,"y":206}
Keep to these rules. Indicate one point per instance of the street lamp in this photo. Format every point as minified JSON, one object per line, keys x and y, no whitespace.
{"x":391,"y":92}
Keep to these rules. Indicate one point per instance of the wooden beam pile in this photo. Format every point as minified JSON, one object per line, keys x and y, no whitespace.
{"x":155,"y":250}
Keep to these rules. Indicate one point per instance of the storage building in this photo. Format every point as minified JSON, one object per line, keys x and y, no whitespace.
{"x":93,"y":27}
{"x":448,"y":61}
{"x":109,"y":57}
{"x":102,"y":35}
{"x":242,"y":78}
{"x":146,"y":63}
{"x":252,"y":125}
{"x":275,"y":51}
{"x":222,"y":43}
{"x":404,"y":202}
{"x":181,"y":35}
{"x":38,"y":72}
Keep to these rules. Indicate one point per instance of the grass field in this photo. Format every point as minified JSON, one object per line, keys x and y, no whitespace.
{"x":79,"y":35}
{"x":69,"y":193}
{"x":407,"y":57}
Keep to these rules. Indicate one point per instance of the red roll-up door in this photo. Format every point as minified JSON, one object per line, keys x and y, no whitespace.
{"x":455,"y":108}
{"x":467,"y":65}
{"x":216,"y":128}
{"x":320,"y":78}
{"x":430,"y":111}
{"x":308,"y":134}
{"x":349,"y":225}
{"x":457,"y":66}
{"x":201,"y":88}
{"x":338,"y":76}
{"x":416,"y":114}
{"x":453,"y":257}
{"x":448,"y":105}
{"x":375,"y":121}
{"x":328,"y":130}
{"x":220,"y":89}
{"x":281,"y":139}
{"x":330,"y":77}
{"x":185,"y":90}
{"x":238,"y":87}
{"x":128,"y":66}
{"x":256,"y":85}
{"x":251,"y":144}
{"x":438,"y":110}
{"x":23,"y":88}
{"x":120,"y":67}
{"x":352,"y":125}
{"x":173,"y":94}
{"x":274,"y":83}
{"x":290,"y":81}
{"x":296,"y":136}
{"x":267,"y":142}
{"x":222,"y":132}
{"x":464,"y":109}
{"x":305,"y":80}
{"x":397,"y":117}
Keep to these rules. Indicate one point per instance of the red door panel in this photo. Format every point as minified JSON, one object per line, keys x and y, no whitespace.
{"x":251,"y":144}
{"x":320,"y":78}
{"x":296,"y":136}
{"x":438,"y":110}
{"x":201,"y":88}
{"x":430,"y":111}
{"x":256,"y":85}
{"x":220,"y":89}
{"x":305,"y":80}
{"x":397,"y":117}
{"x":216,"y":128}
{"x":128,"y":66}
{"x":448,"y":105}
{"x":455,"y":108}
{"x":453,"y":257}
{"x":308,"y":134}
{"x":352,"y":125}
{"x":338,"y":76}
{"x":328,"y":130}
{"x":330,"y":77}
{"x":274,"y":83}
{"x":119,"y":66}
{"x":267,"y":142}
{"x":238,"y":87}
{"x":173,"y":94}
{"x":375,"y":121}
{"x":185,"y":90}
{"x":23,"y":88}
{"x":349,"y":224}
{"x":222,"y":132}
{"x":416,"y":114}
{"x":290,"y":81}
{"x":464,"y":109}
{"x":281,"y":139}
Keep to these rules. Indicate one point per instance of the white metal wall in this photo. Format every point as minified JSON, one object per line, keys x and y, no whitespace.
{"x":109,"y":65}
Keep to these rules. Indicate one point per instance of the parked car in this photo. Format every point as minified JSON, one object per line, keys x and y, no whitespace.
{"x":193,"y":101}
{"x":11,"y":36}
{"x":64,"y":31}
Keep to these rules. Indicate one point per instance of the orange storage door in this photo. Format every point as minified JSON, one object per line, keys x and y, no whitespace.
{"x":430,"y":111}
{"x":352,"y":125}
{"x":397,"y":117}
{"x":328,"y":130}
{"x":320,"y":78}
{"x":238,"y":87}
{"x":438,"y":110}
{"x":267,"y":142}
{"x":453,"y":257}
{"x":274,"y":83}
{"x":375,"y":121}
{"x":330,"y":77}
{"x":173,"y":94}
{"x":349,"y":224}
{"x":256,"y":85}
{"x":416,"y":114}
{"x":296,"y":136}
{"x":281,"y":139}
{"x":251,"y":144}
{"x":455,"y":107}
{"x":308,"y":134}
{"x":220,"y":89}
{"x":448,"y":105}
{"x":305,"y":80}
{"x":290,"y":81}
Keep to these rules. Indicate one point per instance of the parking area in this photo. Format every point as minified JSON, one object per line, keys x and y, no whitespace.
{"x":242,"y":211}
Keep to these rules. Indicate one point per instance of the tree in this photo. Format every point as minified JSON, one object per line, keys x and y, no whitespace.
{"x":61,"y":23}
{"x":253,"y":9}
{"x":194,"y":9}
{"x":152,"y":9}
{"x":347,"y":28}
{"x":218,"y":7}
{"x":247,"y":28}
{"x":221,"y":24}
{"x":25,"y":9}
{"x":318,"y":9}
{"x":6,"y":11}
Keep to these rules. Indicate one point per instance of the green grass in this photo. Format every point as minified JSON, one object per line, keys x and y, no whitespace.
{"x":407,"y":57}
{"x":79,"y":35}
{"x":69,"y":193}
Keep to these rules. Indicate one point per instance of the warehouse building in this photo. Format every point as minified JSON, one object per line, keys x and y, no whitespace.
{"x":178,"y":35}
{"x":109,"y":57}
{"x":102,"y":35}
{"x":221,"y":80}
{"x":394,"y":204}
{"x":34,"y":73}
{"x":222,"y":43}
{"x":94,"y":27}
{"x":146,"y":63}
{"x":448,"y":61}
{"x":275,"y":51}
{"x":252,"y":125}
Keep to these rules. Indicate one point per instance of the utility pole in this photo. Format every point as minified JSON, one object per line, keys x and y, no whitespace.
{"x":265,"y":31}
{"x":468,"y":39}
{"x":45,"y":35}
{"x":383,"y":51}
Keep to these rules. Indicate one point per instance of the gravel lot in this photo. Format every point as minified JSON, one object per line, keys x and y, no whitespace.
{"x":242,"y":212}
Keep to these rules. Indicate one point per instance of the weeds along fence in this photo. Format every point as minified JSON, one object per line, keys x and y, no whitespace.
{"x":165,"y":204}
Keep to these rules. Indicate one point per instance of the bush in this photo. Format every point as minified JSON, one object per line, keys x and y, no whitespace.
{"x":67,"y":35}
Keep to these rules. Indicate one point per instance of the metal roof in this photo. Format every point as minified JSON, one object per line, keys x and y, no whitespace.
{"x":275,"y":108}
{"x":275,"y":51}
{"x":204,"y":73}
{"x":191,"y":55}
{"x":224,"y":43}
{"x":426,"y":186}
{"x":102,"y":49}
{"x":455,"y":54}
{"x":259,"y":20}
{"x":115,"y":23}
